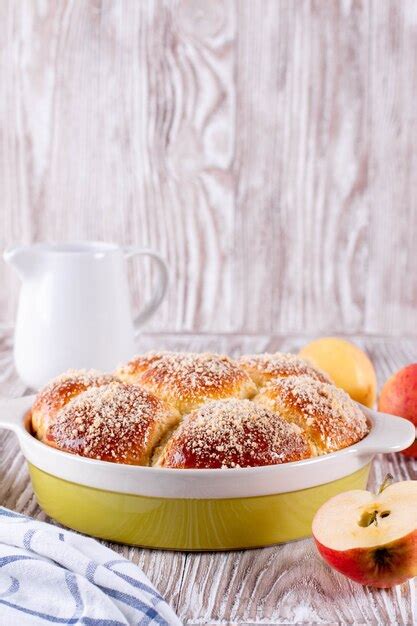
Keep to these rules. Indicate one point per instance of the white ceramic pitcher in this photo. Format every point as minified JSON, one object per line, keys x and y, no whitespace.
{"x":74,"y":307}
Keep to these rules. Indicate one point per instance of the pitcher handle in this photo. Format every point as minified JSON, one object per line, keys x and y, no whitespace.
{"x":161,"y":285}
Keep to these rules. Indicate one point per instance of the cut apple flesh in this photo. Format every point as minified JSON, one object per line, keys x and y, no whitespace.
{"x":360,"y":519}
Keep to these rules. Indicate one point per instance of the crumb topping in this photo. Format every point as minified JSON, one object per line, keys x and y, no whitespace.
{"x":113,"y":422}
{"x":296,"y":414}
{"x":140,"y":363}
{"x":280,"y":364}
{"x":62,"y":388}
{"x":195,"y":377}
{"x":234,"y":433}
{"x":325,"y":411}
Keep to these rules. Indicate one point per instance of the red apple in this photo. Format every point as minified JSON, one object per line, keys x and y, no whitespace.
{"x":399,"y":397}
{"x":370,"y":538}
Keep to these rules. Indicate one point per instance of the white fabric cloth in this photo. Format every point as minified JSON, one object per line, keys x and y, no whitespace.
{"x":53,"y":576}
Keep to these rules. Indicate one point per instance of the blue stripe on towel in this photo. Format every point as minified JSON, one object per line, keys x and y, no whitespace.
{"x":71,"y":581}
{"x":90,"y":571}
{"x":7,"y":513}
{"x":51,"y":576}
{"x":27,"y":539}
{"x":134,"y":602}
{"x":137,"y":584}
{"x":88,"y":621}
{"x":14,"y":587}
{"x":45,"y":616}
{"x":6,"y":560}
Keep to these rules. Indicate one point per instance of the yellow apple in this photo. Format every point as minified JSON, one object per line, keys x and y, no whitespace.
{"x":347,"y":365}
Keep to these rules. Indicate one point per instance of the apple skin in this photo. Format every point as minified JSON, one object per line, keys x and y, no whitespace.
{"x":359,"y":563}
{"x":346,"y":364}
{"x":399,"y":397}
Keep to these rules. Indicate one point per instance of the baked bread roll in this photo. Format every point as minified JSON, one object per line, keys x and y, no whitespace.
{"x":117,"y":422}
{"x":187,"y":380}
{"x":59,"y":392}
{"x":227,"y":423}
{"x":265,"y":367}
{"x":233,"y":433}
{"x":327,"y":415}
{"x":133,"y":369}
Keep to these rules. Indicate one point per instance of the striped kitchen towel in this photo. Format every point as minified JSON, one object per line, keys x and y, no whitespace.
{"x":53,"y":576}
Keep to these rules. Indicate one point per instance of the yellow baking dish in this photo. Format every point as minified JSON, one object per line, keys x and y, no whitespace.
{"x":217,"y":509}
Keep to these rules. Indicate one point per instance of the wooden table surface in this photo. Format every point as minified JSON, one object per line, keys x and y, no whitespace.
{"x":285,"y":584}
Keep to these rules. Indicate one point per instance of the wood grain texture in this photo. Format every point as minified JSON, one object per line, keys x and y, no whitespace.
{"x":266,"y":148}
{"x":284,"y":584}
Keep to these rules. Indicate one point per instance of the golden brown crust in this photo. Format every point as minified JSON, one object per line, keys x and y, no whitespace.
{"x":297,"y":414}
{"x":233,"y":433}
{"x":117,"y":422}
{"x":59,"y":391}
{"x":326,"y":413}
{"x":265,"y":367}
{"x":188,"y":380}
{"x":133,"y":369}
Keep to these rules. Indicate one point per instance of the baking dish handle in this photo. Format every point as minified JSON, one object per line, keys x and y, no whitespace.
{"x":389,"y":433}
{"x":12,"y":411}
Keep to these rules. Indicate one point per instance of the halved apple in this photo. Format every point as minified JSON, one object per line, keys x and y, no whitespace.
{"x":370,"y":538}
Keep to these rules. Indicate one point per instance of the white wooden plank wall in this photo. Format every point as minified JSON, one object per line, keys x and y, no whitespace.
{"x":267,"y":148}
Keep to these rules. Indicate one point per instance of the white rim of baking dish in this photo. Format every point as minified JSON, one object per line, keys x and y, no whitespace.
{"x":388,"y":433}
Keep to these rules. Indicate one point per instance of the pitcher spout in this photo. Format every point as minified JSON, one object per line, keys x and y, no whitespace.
{"x":22,"y":259}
